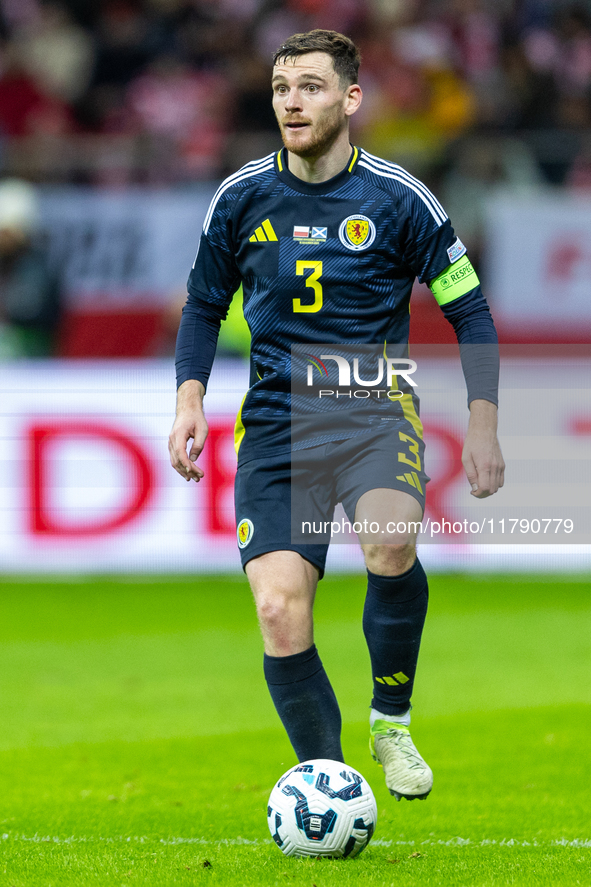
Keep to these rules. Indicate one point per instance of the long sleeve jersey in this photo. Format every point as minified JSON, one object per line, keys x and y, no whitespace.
{"x":332,"y":262}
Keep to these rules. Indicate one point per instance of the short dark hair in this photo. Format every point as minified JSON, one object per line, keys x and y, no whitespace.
{"x":346,"y":58}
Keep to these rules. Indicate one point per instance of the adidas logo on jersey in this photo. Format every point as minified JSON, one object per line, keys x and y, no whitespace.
{"x":263,"y":233}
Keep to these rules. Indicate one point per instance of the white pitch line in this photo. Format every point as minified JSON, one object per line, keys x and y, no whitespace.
{"x":239,"y":841}
{"x":135,"y":839}
{"x":485,"y":842}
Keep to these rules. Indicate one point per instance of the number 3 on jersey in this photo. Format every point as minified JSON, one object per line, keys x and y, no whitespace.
{"x":413,"y":447}
{"x":313,"y":281}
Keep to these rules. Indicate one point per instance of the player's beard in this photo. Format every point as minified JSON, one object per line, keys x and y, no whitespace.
{"x":320,"y":139}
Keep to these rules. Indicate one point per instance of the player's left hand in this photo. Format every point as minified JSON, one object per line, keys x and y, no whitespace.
{"x":481,"y":457}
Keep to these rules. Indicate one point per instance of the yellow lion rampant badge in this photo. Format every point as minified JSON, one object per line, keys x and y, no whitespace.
{"x":244,"y":532}
{"x":357,"y":232}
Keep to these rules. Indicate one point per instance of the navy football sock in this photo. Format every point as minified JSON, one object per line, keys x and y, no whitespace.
{"x":306,"y":704}
{"x":393,"y":619}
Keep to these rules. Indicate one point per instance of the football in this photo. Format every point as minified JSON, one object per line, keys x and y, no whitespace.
{"x":322,"y":808}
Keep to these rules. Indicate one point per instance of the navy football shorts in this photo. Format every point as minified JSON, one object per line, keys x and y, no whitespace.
{"x":316,"y":479}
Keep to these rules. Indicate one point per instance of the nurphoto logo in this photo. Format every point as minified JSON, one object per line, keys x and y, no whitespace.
{"x":390,"y":367}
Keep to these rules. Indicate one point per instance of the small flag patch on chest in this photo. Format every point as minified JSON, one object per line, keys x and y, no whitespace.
{"x":310,"y":233}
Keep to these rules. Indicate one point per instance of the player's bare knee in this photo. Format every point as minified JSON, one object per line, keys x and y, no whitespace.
{"x":389,"y":559}
{"x":273,"y":610}
{"x":277,"y":607}
{"x":285,"y":622}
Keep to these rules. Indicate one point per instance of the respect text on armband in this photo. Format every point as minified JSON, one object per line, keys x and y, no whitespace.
{"x":456,"y":276}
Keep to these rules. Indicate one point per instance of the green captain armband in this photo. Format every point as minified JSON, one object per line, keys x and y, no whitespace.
{"x":457,"y":280}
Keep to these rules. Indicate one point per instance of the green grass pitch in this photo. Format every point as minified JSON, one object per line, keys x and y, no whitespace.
{"x":138,"y":745}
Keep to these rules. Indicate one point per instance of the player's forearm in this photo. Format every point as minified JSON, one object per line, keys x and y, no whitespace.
{"x":483,"y":416}
{"x":480,"y":364}
{"x":197,"y":341}
{"x":189,"y":397}
{"x":477,"y":337}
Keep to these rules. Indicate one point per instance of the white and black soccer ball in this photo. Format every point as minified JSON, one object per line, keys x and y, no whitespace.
{"x":322,"y":808}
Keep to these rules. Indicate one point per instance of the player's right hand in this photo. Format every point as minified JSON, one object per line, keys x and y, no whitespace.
{"x":188,"y":426}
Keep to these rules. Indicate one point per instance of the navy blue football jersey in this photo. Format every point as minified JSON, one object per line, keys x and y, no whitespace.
{"x":319,"y":263}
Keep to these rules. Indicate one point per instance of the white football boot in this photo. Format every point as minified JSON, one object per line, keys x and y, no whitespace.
{"x":407,"y":774}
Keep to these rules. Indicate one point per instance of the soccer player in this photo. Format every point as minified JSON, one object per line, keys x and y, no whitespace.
{"x":327,"y":241}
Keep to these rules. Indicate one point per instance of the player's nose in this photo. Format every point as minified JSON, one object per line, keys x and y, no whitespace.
{"x":293,"y":101}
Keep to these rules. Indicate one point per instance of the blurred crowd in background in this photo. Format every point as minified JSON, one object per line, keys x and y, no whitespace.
{"x":466,"y":94}
{"x":160,"y":91}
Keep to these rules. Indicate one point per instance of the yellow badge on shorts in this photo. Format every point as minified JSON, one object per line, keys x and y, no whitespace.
{"x":357,"y":232}
{"x":244,"y":532}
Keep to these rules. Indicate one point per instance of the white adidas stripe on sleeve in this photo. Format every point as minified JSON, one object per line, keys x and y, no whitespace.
{"x":251,"y":169}
{"x":392,"y":171}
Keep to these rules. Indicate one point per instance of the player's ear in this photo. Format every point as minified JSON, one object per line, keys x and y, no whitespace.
{"x":353,"y":98}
